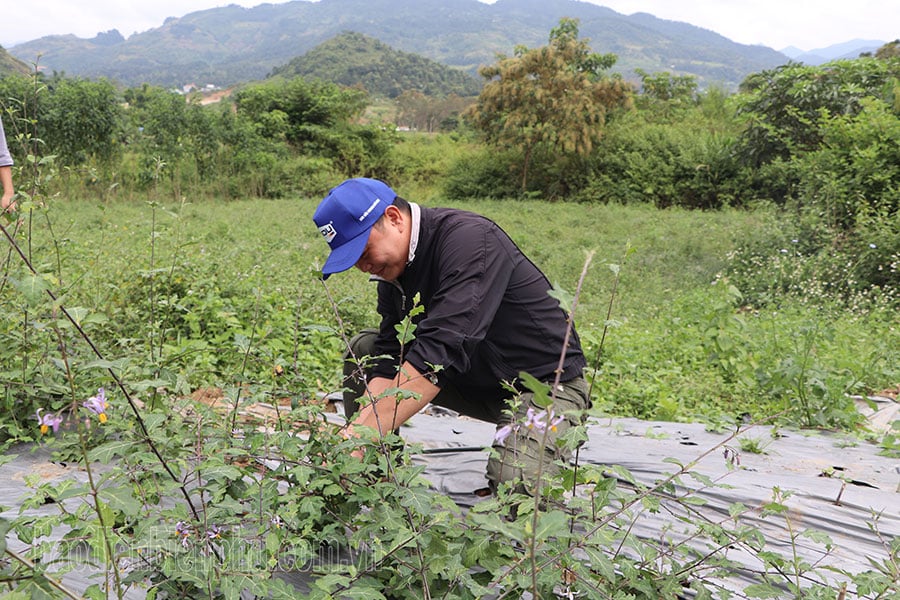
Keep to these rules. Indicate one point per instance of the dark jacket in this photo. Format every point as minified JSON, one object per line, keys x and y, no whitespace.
{"x":487,"y":314}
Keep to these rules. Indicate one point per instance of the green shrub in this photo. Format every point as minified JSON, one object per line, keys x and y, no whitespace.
{"x":857,"y":169}
{"x":666,"y":164}
{"x":487,"y":174}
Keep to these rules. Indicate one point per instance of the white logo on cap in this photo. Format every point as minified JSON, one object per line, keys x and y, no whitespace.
{"x":328,"y":232}
{"x":369,"y":210}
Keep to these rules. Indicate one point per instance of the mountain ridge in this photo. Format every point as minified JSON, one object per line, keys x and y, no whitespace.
{"x":231,"y":44}
{"x":849,"y":49}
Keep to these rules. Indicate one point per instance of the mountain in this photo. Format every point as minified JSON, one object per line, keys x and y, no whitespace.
{"x":851,"y":49}
{"x":353,"y":58}
{"x":9,"y":64}
{"x":232,"y":44}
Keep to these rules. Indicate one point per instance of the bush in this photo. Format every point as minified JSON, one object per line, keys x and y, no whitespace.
{"x":665,"y":164}
{"x":487,"y":174}
{"x":857,"y":169}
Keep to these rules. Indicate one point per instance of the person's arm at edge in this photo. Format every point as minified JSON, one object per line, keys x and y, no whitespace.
{"x":386,"y":413}
{"x":6,"y":202}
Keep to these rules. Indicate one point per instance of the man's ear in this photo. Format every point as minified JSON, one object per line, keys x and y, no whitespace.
{"x":394,"y":216}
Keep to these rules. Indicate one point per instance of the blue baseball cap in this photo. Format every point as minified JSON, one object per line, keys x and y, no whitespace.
{"x":345,"y":218}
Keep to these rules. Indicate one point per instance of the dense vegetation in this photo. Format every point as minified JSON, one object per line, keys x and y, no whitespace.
{"x":745,"y":262}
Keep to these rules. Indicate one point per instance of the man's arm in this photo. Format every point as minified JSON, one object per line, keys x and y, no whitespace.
{"x":387,"y":412}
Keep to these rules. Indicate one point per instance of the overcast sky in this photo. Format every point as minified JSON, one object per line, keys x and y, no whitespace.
{"x":806,"y":24}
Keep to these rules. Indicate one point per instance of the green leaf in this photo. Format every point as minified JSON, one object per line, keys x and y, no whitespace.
{"x":104,"y":364}
{"x":121,"y":499}
{"x":565,"y":299}
{"x":552,"y":523}
{"x":762,"y":590}
{"x":106,"y":452}
{"x":818,"y":537}
{"x":147,"y":384}
{"x":540,"y":390}
{"x":32,"y":287}
{"x":419,"y":500}
{"x":216,"y":472}
{"x":5,"y":526}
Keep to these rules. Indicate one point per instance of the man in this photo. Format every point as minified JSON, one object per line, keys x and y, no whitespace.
{"x":6,"y":181}
{"x":487,"y":318}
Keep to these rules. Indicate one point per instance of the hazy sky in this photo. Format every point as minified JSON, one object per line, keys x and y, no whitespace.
{"x":806,"y":24}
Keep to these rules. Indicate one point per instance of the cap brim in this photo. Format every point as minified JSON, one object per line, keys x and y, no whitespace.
{"x":345,"y":256}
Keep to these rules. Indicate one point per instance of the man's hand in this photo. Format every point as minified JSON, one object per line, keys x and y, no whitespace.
{"x":347,"y":433}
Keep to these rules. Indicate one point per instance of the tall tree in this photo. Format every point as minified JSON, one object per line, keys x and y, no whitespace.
{"x":556,"y":96}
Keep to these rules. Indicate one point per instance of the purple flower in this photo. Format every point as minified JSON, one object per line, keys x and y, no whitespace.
{"x":554,"y":423}
{"x":183,"y":530}
{"x":48,"y":422}
{"x":541,"y":421}
{"x":533,"y":420}
{"x":503,"y":433}
{"x":214,"y":532}
{"x":97,"y":404}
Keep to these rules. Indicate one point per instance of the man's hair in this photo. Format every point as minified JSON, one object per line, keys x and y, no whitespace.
{"x":400,"y":203}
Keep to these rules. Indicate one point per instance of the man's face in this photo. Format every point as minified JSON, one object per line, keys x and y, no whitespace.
{"x":387,"y":251}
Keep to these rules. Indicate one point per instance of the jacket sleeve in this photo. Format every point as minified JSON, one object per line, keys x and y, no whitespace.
{"x":5,"y":157}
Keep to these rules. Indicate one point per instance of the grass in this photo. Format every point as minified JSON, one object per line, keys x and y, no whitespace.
{"x":179,"y":297}
{"x":682,"y":347}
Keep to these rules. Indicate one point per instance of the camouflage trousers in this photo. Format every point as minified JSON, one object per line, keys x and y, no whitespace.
{"x":517,"y":457}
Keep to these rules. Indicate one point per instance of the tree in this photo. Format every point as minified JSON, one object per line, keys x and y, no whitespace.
{"x":555,"y":97}
{"x":785,"y":107}
{"x":80,"y":120}
{"x":664,"y":95}
{"x":319,"y":119}
{"x":427,"y":113}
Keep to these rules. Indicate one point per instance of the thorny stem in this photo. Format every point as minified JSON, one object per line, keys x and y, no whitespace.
{"x":53,"y":582}
{"x":570,"y":325}
{"x":385,"y":450}
{"x":237,"y":395}
{"x":596,"y":368}
{"x":104,"y":527}
{"x":145,"y":432}
{"x":152,"y":290}
{"x":357,"y":361}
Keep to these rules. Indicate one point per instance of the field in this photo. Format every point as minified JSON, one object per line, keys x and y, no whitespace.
{"x":156,"y":302}
{"x":171,"y":286}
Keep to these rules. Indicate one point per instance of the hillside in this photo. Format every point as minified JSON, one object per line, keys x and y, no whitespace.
{"x":10,"y":65}
{"x":232,"y":44}
{"x":356,"y":59}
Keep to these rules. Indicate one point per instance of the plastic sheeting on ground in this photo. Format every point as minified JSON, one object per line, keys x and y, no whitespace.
{"x":838,"y":484}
